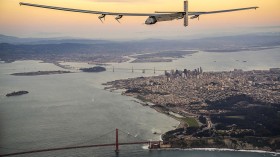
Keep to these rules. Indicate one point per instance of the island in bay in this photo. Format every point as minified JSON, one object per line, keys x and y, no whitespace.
{"x":17,"y":93}
{"x":41,"y":73}
{"x":94,"y":69}
{"x":230,"y":109}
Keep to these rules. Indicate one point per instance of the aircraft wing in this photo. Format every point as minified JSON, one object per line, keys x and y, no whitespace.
{"x":221,"y":11}
{"x":153,"y":17}
{"x":87,"y":11}
{"x":130,"y":14}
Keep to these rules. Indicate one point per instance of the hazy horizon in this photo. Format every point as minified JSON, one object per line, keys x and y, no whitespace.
{"x":233,"y":32}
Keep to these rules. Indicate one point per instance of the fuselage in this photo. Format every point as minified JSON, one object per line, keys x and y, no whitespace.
{"x":168,"y":17}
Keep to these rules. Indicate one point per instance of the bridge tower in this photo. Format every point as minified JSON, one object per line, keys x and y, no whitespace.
{"x":117,"y":141}
{"x":143,"y":71}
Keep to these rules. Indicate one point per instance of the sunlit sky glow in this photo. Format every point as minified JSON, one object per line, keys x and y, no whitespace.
{"x":26,"y":21}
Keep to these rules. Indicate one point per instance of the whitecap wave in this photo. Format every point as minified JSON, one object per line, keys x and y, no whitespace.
{"x":145,"y":147}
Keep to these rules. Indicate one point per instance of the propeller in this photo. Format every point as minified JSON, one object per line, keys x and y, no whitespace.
{"x":195,"y":16}
{"x":100,"y":20}
{"x":119,"y":17}
{"x":102,"y":17}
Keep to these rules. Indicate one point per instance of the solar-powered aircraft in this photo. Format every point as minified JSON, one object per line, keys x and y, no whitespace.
{"x":152,"y":17}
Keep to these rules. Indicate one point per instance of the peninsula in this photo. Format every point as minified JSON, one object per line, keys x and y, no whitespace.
{"x":231,"y":109}
{"x":164,"y":56}
{"x":40,"y":73}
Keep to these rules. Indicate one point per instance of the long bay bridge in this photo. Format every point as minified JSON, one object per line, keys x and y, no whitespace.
{"x":113,"y":139}
{"x":132,"y":70}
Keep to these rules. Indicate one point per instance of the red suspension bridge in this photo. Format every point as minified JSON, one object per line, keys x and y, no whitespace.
{"x":116,"y":144}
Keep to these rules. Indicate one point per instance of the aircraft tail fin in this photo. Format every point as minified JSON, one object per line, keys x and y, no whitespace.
{"x":186,"y":11}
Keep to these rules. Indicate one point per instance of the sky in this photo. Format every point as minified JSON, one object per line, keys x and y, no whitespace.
{"x":23,"y":21}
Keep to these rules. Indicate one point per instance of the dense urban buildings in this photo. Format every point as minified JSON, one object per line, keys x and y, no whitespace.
{"x":224,"y":106}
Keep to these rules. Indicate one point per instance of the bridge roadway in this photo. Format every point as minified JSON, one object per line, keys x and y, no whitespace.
{"x":74,"y":147}
{"x":131,"y":69}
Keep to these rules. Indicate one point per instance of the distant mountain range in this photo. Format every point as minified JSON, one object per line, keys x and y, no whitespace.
{"x":53,"y":49}
{"x":59,"y":40}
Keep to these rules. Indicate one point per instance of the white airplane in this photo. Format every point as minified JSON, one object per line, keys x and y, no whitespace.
{"x":152,"y":17}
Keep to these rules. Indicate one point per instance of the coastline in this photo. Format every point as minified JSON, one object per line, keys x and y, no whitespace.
{"x":221,"y":149}
{"x":216,"y":149}
{"x":247,"y":147}
{"x":183,"y":124}
{"x":159,"y":110}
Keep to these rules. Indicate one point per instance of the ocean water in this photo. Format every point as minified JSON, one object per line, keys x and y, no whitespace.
{"x":74,"y":109}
